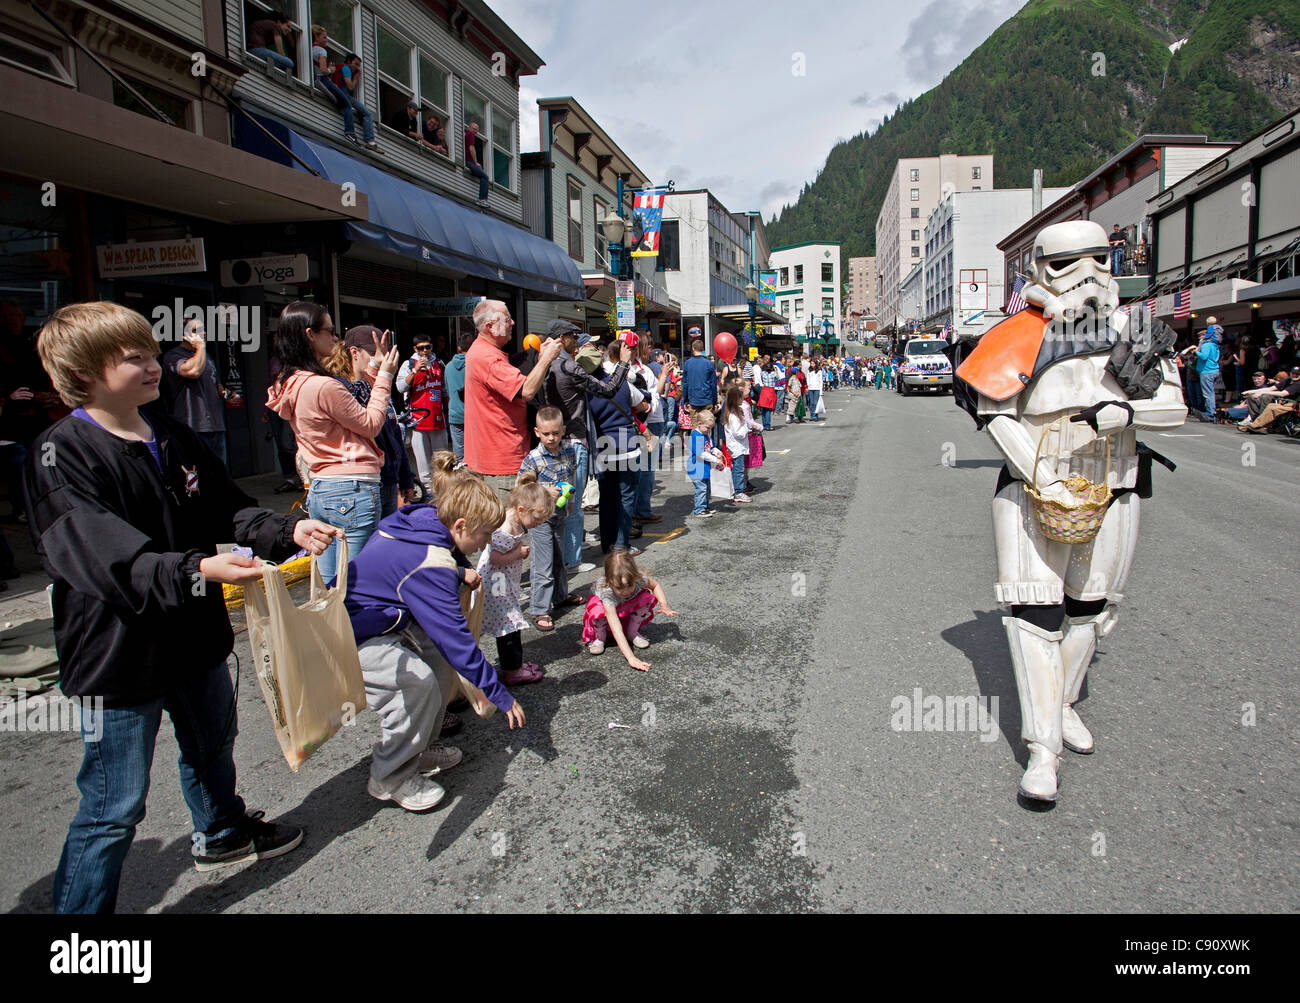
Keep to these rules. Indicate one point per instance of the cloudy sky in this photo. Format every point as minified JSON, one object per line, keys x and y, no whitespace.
{"x":706,"y":93}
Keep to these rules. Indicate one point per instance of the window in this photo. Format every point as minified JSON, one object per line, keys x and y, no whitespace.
{"x":785,"y":276}
{"x":175,"y":108}
{"x":785,"y":308}
{"x":916,"y":213}
{"x":503,"y":148}
{"x":916,"y":251}
{"x":669,"y":259}
{"x":975,"y":173}
{"x":575,"y":220}
{"x":828,"y":271}
{"x":338,"y":18}
{"x":395,"y":76}
{"x":435,"y":82}
{"x":798,"y":274}
{"x":599,"y":211}
{"x":915,"y":174}
{"x":256,"y":11}
{"x":828,"y":307}
{"x":916,"y":234}
{"x":798,"y":309}
{"x":975,"y":188}
{"x":41,"y":58}
{"x":475,"y":109}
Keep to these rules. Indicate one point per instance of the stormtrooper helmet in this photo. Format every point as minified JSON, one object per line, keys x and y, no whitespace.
{"x":1070,"y":271}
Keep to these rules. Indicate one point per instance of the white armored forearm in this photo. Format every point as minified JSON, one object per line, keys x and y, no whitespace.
{"x":1018,"y":449}
{"x":1166,"y":409}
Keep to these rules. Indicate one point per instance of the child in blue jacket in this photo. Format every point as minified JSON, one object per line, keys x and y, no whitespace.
{"x":700,"y":459}
{"x":409,"y":576}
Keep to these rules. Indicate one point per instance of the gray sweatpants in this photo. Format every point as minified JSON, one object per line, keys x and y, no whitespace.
{"x":408,"y":683}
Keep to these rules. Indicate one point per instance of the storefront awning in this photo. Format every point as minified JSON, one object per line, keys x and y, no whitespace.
{"x":417,"y":223}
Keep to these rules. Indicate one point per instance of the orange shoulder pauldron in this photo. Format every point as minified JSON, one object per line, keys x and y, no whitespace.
{"x":1002,"y":364}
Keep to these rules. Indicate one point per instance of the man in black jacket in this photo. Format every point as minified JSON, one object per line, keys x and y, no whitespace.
{"x":567,"y":387}
{"x":127,"y":508}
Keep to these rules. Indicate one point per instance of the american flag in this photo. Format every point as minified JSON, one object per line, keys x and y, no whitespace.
{"x":1151,"y":306}
{"x":947,"y":330}
{"x":1182,"y":304}
{"x":1017,"y":302}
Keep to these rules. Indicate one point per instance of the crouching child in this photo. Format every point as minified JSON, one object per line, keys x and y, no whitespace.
{"x":127,"y":508}
{"x":404,"y":602}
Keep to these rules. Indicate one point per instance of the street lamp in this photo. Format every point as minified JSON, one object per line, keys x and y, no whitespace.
{"x":613,"y":227}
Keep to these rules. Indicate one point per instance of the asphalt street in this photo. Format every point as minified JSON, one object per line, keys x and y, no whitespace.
{"x":765,"y":768}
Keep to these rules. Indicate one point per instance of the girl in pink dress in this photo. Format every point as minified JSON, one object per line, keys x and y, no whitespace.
{"x":621,"y":604}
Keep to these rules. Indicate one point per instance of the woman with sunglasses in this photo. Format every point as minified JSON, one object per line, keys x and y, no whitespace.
{"x":335,"y":433}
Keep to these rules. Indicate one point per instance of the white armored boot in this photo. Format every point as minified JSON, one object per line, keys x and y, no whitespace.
{"x":1040,"y":682}
{"x":1078,"y":645}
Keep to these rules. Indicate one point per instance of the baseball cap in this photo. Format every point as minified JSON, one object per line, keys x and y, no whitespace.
{"x":559,"y":328}
{"x":363,"y":336}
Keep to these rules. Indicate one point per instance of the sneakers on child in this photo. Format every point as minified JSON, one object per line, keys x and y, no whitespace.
{"x":416,"y":793}
{"x":742,"y":498}
{"x":252,"y":840}
{"x":596,"y":647}
{"x":640,"y":642}
{"x":437,"y":758}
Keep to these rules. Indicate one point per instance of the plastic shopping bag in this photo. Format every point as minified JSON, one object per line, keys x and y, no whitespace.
{"x":821,"y":405}
{"x":471,"y":604}
{"x":305,"y":658}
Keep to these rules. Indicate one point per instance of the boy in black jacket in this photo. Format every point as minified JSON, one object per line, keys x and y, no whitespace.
{"x":127,"y":512}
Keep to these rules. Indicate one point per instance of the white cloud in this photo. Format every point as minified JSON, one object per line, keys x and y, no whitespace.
{"x":693,"y":92}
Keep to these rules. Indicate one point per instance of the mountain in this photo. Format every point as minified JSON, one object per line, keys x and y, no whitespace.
{"x":1030,"y":96}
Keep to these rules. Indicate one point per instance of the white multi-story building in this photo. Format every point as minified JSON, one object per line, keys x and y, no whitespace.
{"x":808,"y":286}
{"x":911,"y":295}
{"x":916,"y":188}
{"x":707,"y":256}
{"x":862,"y":287}
{"x":963,"y":266}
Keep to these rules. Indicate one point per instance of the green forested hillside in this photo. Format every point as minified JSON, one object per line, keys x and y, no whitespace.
{"x":1036,"y":95}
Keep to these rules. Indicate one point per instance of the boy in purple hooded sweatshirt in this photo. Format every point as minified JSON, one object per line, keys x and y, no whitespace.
{"x":408,"y":576}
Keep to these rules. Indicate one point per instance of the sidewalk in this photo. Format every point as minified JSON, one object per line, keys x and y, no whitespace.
{"x":27,"y":599}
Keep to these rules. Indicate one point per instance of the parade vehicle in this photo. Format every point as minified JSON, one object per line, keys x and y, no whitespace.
{"x":924,"y":366}
{"x":882,"y":342}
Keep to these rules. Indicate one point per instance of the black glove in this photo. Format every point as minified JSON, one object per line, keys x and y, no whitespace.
{"x":1138,"y":373}
{"x":1088,"y":415}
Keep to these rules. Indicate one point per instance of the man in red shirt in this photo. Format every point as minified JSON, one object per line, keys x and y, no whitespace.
{"x":496,"y":396}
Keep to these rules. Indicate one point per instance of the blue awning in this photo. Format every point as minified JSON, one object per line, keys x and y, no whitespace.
{"x":417,"y":223}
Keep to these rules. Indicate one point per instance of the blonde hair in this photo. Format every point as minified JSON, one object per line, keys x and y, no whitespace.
{"x":706,"y":418}
{"x":531,"y":496}
{"x":88,"y":338}
{"x":317,"y":31}
{"x":621,"y":571}
{"x":340,"y":361}
{"x":463,"y":494}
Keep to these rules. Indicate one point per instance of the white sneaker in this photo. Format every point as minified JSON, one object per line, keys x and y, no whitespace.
{"x":584,"y":567}
{"x":640,"y":642}
{"x":417,"y":793}
{"x":741,"y":499}
{"x":437,"y":758}
{"x":596,"y":647}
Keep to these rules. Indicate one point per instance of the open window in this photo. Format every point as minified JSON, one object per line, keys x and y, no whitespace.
{"x":259,"y":33}
{"x":495,"y":144}
{"x":45,"y":59}
{"x":340,"y":19}
{"x":396,"y":58}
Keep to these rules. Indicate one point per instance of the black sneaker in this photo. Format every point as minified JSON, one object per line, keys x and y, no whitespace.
{"x":253,"y":840}
{"x":450,"y":725}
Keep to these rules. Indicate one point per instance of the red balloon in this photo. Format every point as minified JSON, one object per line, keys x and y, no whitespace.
{"x":725,"y":346}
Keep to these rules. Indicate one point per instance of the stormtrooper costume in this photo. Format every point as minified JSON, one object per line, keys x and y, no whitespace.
{"x":1053,"y":385}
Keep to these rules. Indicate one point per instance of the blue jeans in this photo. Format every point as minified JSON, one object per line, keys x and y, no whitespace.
{"x":738,"y":474}
{"x":1208,"y":378}
{"x":645,"y":479}
{"x":811,"y":404}
{"x":1238,"y":413}
{"x":351,"y":505}
{"x":114,"y":780}
{"x":548,"y":581}
{"x":573,"y":522}
{"x":1117,"y":261}
{"x":351,"y":108}
{"x":766,"y":416}
{"x":458,"y":441}
{"x":271,"y":56}
{"x":215,"y":441}
{"x":701,"y":497}
{"x":617,"y":498}
{"x":479,"y":173}
{"x":780,"y":400}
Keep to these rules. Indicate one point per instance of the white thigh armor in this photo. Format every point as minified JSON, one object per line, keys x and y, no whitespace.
{"x":1035,"y":571}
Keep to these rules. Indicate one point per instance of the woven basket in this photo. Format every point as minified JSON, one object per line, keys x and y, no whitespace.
{"x":1071,"y":522}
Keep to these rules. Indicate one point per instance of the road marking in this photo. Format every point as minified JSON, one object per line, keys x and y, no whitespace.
{"x":1183,"y":435}
{"x":671,"y":536}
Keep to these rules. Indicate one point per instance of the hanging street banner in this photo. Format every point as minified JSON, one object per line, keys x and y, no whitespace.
{"x":647,"y":214}
{"x":625,"y":303}
{"x":767,"y":288}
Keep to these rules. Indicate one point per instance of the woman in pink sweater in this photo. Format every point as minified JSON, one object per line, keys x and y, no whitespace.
{"x":336,"y":435}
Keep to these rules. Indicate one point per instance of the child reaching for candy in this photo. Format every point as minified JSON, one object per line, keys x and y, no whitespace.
{"x":622,"y":603}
